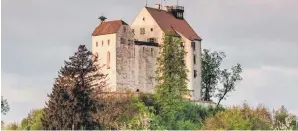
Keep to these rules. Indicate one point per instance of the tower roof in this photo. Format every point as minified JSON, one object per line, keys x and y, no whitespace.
{"x":167,"y":22}
{"x":108,"y":27}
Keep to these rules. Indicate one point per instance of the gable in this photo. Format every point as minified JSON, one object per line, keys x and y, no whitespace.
{"x":167,"y":22}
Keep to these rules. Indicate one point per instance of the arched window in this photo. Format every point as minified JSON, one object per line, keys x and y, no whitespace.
{"x":108,"y":60}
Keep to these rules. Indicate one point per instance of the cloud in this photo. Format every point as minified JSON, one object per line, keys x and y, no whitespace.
{"x":23,"y":94}
{"x":269,"y":85}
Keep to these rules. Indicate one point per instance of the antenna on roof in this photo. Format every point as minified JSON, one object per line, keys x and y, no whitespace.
{"x":102,"y":18}
{"x":146,"y":3}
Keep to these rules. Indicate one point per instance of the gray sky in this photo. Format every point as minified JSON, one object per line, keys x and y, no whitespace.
{"x":38,"y":35}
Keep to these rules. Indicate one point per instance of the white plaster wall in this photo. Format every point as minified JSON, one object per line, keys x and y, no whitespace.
{"x":198,"y":67}
{"x":148,"y":23}
{"x":102,"y":57}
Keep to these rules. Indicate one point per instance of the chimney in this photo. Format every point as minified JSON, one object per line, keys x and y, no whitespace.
{"x":157,"y":6}
{"x":168,"y":8}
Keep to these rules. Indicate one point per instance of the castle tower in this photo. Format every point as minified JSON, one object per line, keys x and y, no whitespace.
{"x":107,"y":37}
{"x":152,"y":23}
{"x":130,"y":52}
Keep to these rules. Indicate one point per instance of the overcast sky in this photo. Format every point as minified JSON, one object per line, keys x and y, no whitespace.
{"x":262,"y":35}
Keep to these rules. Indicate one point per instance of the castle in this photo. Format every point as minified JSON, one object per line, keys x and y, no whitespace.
{"x":130,"y":52}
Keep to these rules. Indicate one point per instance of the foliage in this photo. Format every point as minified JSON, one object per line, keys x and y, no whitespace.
{"x":4,"y":106}
{"x":171,"y":70}
{"x":212,"y":74}
{"x":283,"y":120}
{"x":141,"y":118}
{"x":231,"y":119}
{"x":12,"y":126}
{"x":172,"y":86}
{"x":72,"y":103}
{"x":33,"y":121}
{"x":228,"y":79}
{"x":240,"y":118}
{"x":211,"y":62}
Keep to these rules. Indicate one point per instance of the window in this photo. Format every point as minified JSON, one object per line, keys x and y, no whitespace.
{"x":108,"y":42}
{"x":143,"y":18}
{"x":133,"y":31}
{"x":152,"y":52}
{"x":193,"y":45}
{"x":151,"y":40}
{"x":129,"y":42}
{"x":195,"y":73}
{"x":96,"y":44}
{"x":122,"y":41}
{"x":143,"y":48}
{"x":108,"y":60}
{"x":102,"y":43}
{"x":142,"y":31}
{"x":151,"y":29}
{"x":182,"y":45}
{"x":124,"y":29}
{"x":194,"y":59}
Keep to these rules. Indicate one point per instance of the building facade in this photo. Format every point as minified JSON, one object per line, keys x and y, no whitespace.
{"x":130,"y":52}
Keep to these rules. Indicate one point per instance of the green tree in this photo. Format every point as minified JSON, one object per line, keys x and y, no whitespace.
{"x":12,"y":126}
{"x":172,"y":84}
{"x":228,"y":80}
{"x":240,"y":118}
{"x":212,"y":75}
{"x":283,"y":120}
{"x":231,"y":119}
{"x":73,"y":106}
{"x":33,"y":121}
{"x":211,"y":62}
{"x":4,"y":106}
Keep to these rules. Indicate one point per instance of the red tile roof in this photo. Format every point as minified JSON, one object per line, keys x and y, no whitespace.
{"x":108,"y":27}
{"x":168,"y":22}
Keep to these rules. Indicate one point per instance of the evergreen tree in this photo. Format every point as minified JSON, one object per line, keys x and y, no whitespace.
{"x":172,"y":86}
{"x":72,"y":102}
{"x":171,"y":69}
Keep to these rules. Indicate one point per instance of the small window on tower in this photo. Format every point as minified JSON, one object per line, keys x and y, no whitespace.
{"x":151,"y":40}
{"x":143,"y":18}
{"x":124,"y":29}
{"x":193,"y":45}
{"x":133,"y":31}
{"x":96,"y":44}
{"x":102,"y":43}
{"x":195,"y":73}
{"x":108,"y":42}
{"x":182,"y":45}
{"x":142,"y":31}
{"x":194,"y":59}
{"x":152,"y":52}
{"x":122,"y":41}
{"x":151,"y":29}
{"x":108,"y":60}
